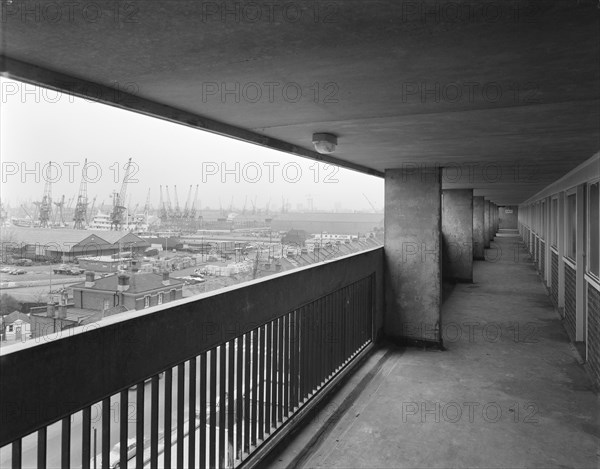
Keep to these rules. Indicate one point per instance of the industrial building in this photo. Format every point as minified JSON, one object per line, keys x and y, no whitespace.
{"x":471,"y":338}
{"x":67,"y":244}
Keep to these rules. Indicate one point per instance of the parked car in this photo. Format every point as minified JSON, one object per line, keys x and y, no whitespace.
{"x":17,"y":272}
{"x":5,"y":270}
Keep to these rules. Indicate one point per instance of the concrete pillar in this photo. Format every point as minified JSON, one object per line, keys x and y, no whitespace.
{"x":478,"y":229}
{"x":457,"y":234}
{"x":413,"y":277}
{"x":486,"y":223}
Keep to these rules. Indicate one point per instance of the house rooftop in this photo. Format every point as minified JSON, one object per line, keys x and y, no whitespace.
{"x":138,"y":283}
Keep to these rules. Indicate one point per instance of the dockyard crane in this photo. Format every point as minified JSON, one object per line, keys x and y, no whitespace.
{"x":163,"y":215}
{"x":169,"y":207}
{"x":45,"y":206}
{"x":253,"y":202}
{"x":244,"y":207}
{"x":80,"y":215}
{"x":372,"y":206}
{"x":194,"y":209}
{"x":91,"y":211}
{"x":118,"y":211}
{"x":27,"y":213}
{"x":147,"y":207}
{"x":267,"y":207}
{"x":177,"y":211}
{"x":186,"y":208}
{"x":309,"y":199}
{"x":59,"y":211}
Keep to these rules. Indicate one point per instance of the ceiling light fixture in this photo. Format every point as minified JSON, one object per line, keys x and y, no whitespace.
{"x":324,"y":143}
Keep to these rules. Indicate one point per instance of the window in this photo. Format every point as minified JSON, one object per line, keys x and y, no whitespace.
{"x":173,"y":295}
{"x":160,"y":298}
{"x":10,"y":328}
{"x":554,"y":223}
{"x":146,"y":302}
{"x":594,"y":229}
{"x":571,"y":234}
{"x":106,"y":305}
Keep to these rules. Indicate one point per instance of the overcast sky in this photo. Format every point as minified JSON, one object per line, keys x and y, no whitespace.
{"x":39,"y":125}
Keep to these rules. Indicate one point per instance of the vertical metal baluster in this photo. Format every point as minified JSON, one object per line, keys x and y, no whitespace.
{"x":41,"y":448}
{"x":286,"y":365}
{"x":192,"y":414}
{"x":273,"y":410}
{"x":17,"y":450}
{"x":348,"y":310}
{"x":86,"y":430}
{"x":293,"y":368}
{"x":303,"y":355}
{"x":105,"y":429}
{"x":123,"y":424}
{"x":180,"y":413}
{"x":372,"y":306}
{"x":154,"y":403}
{"x":261,"y":383}
{"x":247,"y":377}
{"x":280,"y":346}
{"x":231,"y":379}
{"x":341,"y":322}
{"x":202,"y":406}
{"x":222,"y":409}
{"x":312,"y":337}
{"x":239,"y":408}
{"x":268,"y":378}
{"x":168,"y":419}
{"x":322,"y":342}
{"x":254,"y":401}
{"x":65,"y":460}
{"x":212,"y":399}
{"x":139,"y":431}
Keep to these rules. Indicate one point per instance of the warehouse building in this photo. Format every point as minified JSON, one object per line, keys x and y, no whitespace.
{"x":63,"y":245}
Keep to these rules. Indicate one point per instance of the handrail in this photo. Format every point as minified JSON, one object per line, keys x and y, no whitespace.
{"x":51,"y":381}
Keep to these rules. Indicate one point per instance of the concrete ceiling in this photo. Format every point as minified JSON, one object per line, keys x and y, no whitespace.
{"x":505,"y":94}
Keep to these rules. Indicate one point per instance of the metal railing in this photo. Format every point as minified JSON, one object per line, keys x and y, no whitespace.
{"x":216,"y":407}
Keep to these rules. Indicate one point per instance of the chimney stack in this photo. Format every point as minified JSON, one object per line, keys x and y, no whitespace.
{"x":89,"y":279}
{"x":50,"y":309}
{"x":166,"y":280}
{"x":123,"y":282}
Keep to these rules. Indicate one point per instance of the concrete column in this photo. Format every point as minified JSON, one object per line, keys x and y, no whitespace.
{"x":457,"y":234}
{"x":486,"y":223}
{"x":478,"y":229}
{"x":413,"y":277}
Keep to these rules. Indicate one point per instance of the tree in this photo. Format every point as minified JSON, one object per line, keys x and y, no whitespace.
{"x":8,"y":304}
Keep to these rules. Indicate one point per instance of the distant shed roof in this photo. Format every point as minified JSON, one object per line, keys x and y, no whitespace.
{"x":65,"y":239}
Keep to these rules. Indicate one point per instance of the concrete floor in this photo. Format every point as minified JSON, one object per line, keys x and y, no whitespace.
{"x":509,"y":390}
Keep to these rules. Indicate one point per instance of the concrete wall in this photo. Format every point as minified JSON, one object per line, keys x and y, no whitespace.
{"x":508,"y":221}
{"x":457,"y":234}
{"x":412,"y":254}
{"x":478,"y":228}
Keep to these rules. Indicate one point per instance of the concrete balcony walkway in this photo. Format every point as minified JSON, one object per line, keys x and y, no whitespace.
{"x":509,"y":391}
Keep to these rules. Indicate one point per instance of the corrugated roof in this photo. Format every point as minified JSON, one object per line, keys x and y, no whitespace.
{"x":66,"y":238}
